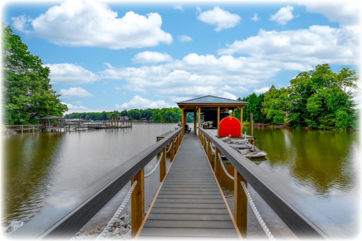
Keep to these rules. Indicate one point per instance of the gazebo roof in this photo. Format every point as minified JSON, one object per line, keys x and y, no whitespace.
{"x":51,"y":118}
{"x":209,"y":99}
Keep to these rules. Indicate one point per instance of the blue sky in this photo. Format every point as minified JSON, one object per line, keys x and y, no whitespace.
{"x":115,"y":56}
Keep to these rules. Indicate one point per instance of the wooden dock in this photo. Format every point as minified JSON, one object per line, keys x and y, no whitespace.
{"x":189,"y":202}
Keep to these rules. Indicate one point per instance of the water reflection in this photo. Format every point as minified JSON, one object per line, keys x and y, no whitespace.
{"x":26,"y":182}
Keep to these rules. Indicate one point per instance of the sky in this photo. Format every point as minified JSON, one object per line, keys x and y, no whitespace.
{"x":106,"y":56}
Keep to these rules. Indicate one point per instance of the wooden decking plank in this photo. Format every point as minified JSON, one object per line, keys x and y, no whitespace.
{"x":190,"y":224}
{"x":191,"y":217}
{"x":189,"y":203}
{"x":153,"y":238}
{"x":189,"y":232}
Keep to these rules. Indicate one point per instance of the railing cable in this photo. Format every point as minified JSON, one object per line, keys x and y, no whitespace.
{"x":118,"y":212}
{"x":252,"y":205}
{"x":158,"y":162}
{"x":256,"y":212}
{"x":223,"y":167}
{"x":169,"y":147}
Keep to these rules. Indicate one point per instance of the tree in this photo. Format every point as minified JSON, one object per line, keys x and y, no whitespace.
{"x":27,"y":92}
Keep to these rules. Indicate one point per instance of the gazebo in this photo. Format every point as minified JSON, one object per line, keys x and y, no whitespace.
{"x":212,"y":107}
{"x":46,"y":121}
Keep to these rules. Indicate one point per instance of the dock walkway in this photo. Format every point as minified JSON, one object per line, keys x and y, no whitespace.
{"x":190,"y":203}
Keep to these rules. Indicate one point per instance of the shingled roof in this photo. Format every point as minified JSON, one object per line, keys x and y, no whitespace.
{"x":210,"y":99}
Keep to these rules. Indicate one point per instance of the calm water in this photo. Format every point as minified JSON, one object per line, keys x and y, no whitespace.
{"x":51,"y":171}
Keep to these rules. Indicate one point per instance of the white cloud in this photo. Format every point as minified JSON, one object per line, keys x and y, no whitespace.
{"x":149,"y":57}
{"x":179,"y":7}
{"x":92,"y":23}
{"x":75,"y":107}
{"x":20,"y":22}
{"x":70,"y":74}
{"x":255,"y":17}
{"x":299,"y":49}
{"x":283,"y":16}
{"x":105,"y":92}
{"x":195,"y":75}
{"x":219,"y":17}
{"x":229,"y":96}
{"x":185,"y":38}
{"x":117,"y":87}
{"x":261,"y":91}
{"x":140,"y":103}
{"x":74,"y":92}
{"x":344,"y":12}
{"x":78,"y":102}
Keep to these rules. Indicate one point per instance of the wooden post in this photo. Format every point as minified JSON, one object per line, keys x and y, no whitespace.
{"x":217,"y":164}
{"x":182,"y":118}
{"x":199,"y":117}
{"x":138,"y":201}
{"x":172,"y":151}
{"x":163,"y":165}
{"x":218,"y":121}
{"x":233,"y":112}
{"x":251,"y":124}
{"x":241,"y":121}
{"x":21,"y":128}
{"x":240,"y":204}
{"x":195,"y":121}
{"x":209,"y":151}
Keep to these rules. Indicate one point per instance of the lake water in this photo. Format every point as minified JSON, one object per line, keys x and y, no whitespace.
{"x":49,"y":171}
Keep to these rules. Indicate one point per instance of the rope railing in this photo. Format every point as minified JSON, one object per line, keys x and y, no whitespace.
{"x":169,"y":147}
{"x":256,"y":212}
{"x":105,"y":231}
{"x":251,"y":203}
{"x":158,"y":162}
{"x":223,"y":167}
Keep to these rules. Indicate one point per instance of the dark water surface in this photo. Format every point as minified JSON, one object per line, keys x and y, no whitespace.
{"x":50,"y":171}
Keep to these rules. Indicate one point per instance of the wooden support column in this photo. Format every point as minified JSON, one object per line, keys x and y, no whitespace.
{"x":209,"y":151}
{"x":199,"y":118}
{"x":138,"y":202}
{"x":240,"y":204}
{"x":218,"y":121}
{"x":182,"y":118}
{"x":233,"y":112}
{"x":195,"y":121}
{"x":172,"y":150}
{"x":217,"y":164}
{"x":163,"y":165}
{"x":241,"y":121}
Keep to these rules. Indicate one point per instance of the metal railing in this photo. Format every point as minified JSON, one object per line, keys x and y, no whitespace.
{"x":278,"y":196}
{"x":64,"y":224}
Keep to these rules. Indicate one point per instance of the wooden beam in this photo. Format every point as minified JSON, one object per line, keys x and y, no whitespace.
{"x":218,"y":121}
{"x":217,"y":164}
{"x":138,"y":202}
{"x":241,"y":121}
{"x":182,"y":118}
{"x":163,"y":165}
{"x":199,"y":118}
{"x":240,"y":204}
{"x":209,"y":151}
{"x":172,"y":151}
{"x":195,"y":121}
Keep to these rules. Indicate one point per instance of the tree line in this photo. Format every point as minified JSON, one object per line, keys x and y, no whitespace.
{"x":27,"y":93}
{"x":164,"y":115}
{"x":319,"y":99}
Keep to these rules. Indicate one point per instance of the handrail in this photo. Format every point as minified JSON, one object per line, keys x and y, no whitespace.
{"x":65,"y":223}
{"x":279,"y":197}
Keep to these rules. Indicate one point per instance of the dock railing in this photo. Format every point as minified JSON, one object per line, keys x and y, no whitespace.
{"x":278,"y":196}
{"x":63,"y":225}
{"x":23,"y":127}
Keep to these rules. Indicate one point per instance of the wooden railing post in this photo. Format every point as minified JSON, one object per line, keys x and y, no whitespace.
{"x":217,"y":164}
{"x":163,"y":165}
{"x":240,"y":204}
{"x":172,"y":150}
{"x":209,"y":151}
{"x":138,"y":202}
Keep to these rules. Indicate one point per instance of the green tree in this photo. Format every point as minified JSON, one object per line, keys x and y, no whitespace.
{"x":27,"y":93}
